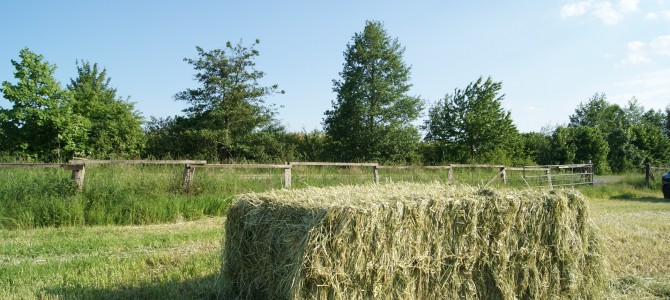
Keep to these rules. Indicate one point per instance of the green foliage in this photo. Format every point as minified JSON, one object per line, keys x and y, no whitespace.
{"x":597,"y":112}
{"x":632,"y":135}
{"x":651,"y":143}
{"x":591,"y":146}
{"x":115,"y":126}
{"x":371,"y":117}
{"x":41,"y":124}
{"x":471,"y":125}
{"x":562,"y":149}
{"x":227,"y":118}
{"x":536,"y":147}
{"x":623,"y":155}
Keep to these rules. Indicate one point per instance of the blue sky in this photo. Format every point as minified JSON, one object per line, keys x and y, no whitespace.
{"x":550,"y":55}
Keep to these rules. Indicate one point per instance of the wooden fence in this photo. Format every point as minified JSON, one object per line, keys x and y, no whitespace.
{"x":563,"y":175}
{"x":78,"y":168}
{"x":651,"y":172}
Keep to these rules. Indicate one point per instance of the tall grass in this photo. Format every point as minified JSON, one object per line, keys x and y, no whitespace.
{"x":149,"y":194}
{"x":119,"y":195}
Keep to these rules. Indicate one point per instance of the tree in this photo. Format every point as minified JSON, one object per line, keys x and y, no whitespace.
{"x":563,"y":151}
{"x":371,"y":117}
{"x":652,"y":144}
{"x":471,"y":125}
{"x":40,"y":124}
{"x":597,"y":112}
{"x":623,"y":155}
{"x":115,"y":126}
{"x":227,"y":116}
{"x":590,"y":145}
{"x":536,"y":147}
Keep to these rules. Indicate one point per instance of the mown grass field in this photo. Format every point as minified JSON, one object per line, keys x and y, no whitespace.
{"x":180,"y":258}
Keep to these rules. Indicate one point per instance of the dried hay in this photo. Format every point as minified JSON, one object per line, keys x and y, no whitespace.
{"x":410,"y":241}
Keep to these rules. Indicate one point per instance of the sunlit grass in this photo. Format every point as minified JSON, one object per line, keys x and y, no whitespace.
{"x":50,"y":248}
{"x":172,"y":261}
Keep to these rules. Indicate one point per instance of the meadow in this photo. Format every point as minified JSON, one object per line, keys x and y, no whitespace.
{"x":134,"y":233}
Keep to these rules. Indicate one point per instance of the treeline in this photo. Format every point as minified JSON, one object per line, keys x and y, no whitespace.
{"x":373,"y":118}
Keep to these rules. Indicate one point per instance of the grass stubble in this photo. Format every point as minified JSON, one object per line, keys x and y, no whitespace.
{"x":182,"y":259}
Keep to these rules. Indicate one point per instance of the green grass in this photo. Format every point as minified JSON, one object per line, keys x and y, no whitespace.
{"x":172,"y":261}
{"x":50,"y":250}
{"x":122,"y":195}
{"x":181,"y":260}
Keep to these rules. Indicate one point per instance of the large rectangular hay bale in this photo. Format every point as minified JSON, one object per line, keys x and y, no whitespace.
{"x":410,"y":241}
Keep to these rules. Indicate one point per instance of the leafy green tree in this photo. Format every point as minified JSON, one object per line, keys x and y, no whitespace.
{"x":227,"y":117}
{"x":536,"y":147}
{"x":371,"y":117}
{"x":599,"y":113}
{"x":41,"y":124}
{"x":634,"y":112}
{"x":471,"y":125}
{"x":115,"y":126}
{"x":654,"y":118}
{"x":622,"y":155}
{"x":590,"y":145}
{"x":563,"y":150}
{"x":652,"y":144}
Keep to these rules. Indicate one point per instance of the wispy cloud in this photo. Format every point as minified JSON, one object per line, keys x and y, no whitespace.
{"x":641,"y":52}
{"x":605,"y":11}
{"x":575,"y":9}
{"x":653,"y":89}
{"x":629,"y":6}
{"x":637,"y":53}
{"x":661,"y":45}
{"x":664,"y":15}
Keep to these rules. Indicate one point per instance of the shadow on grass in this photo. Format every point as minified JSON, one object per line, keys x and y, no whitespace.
{"x":197,"y":288}
{"x":633,"y":197}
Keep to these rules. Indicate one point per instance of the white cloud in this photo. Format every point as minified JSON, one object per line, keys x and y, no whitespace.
{"x":605,"y":11}
{"x":652,"y":89}
{"x":651,"y":16}
{"x":641,"y":52}
{"x":628,"y":6}
{"x":607,"y":14}
{"x":637,"y":53}
{"x":575,"y":9}
{"x":658,"y":15}
{"x":660,"y":45}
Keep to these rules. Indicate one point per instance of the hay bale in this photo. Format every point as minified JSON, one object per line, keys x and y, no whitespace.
{"x":410,"y":241}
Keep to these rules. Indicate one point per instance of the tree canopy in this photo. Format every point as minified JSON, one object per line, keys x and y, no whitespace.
{"x":227,"y":117}
{"x":41,"y":124}
{"x":471,"y":125}
{"x":372,"y":114}
{"x":115,"y":126}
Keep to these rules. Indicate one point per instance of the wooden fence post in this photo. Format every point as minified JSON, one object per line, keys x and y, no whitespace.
{"x":287,"y":177}
{"x":375,"y":174}
{"x":549,"y":178}
{"x":647,"y":174}
{"x":450,"y":175}
{"x":78,"y":172}
{"x":503,"y":174}
{"x":189,"y":172}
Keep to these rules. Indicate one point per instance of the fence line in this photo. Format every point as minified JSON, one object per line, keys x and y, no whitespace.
{"x":584,"y":176}
{"x":78,"y":168}
{"x":649,"y":172}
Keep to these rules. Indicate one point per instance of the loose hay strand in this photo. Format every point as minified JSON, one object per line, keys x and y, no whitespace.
{"x":410,"y":241}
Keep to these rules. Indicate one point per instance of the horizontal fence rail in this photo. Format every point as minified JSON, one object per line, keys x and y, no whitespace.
{"x":577,"y":173}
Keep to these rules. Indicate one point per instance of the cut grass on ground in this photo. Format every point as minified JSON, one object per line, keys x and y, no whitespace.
{"x":182,"y":260}
{"x":172,"y":261}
